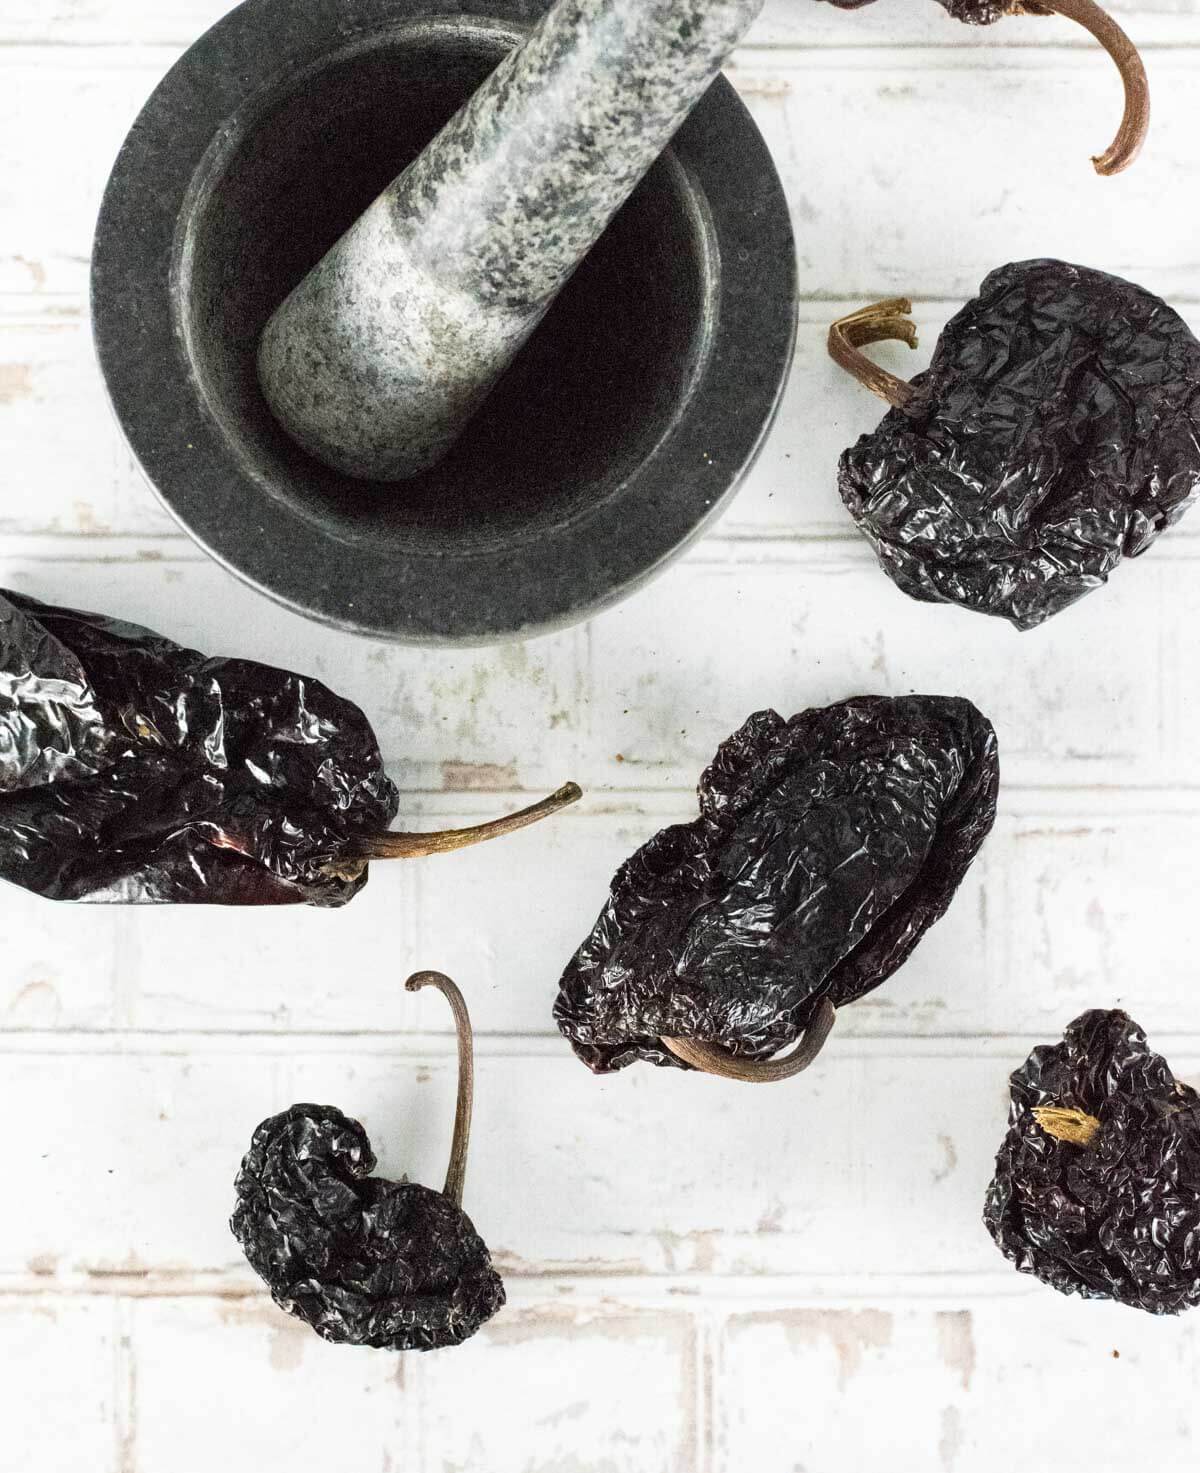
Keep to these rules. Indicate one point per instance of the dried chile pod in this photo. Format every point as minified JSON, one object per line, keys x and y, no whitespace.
{"x":364,"y":1261}
{"x":134,"y":770}
{"x":1135,"y":121}
{"x":1055,"y":432}
{"x":1097,"y":1185}
{"x":825,"y":847}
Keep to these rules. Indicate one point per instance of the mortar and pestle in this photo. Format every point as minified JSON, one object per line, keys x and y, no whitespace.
{"x":447,"y":326}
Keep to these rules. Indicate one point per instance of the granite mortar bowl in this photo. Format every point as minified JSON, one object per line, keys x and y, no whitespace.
{"x":622,"y":428}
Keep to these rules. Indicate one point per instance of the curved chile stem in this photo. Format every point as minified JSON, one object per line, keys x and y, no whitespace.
{"x":713,"y":1059}
{"x":1126,"y":146}
{"x":457,"y":1170}
{"x":878,"y":323}
{"x":414,"y":846}
{"x":1074,"y":1126}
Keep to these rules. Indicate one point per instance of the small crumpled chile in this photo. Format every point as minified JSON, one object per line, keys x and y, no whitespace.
{"x":1097,"y":1185}
{"x":825,"y":847}
{"x":1055,"y":432}
{"x":364,"y":1261}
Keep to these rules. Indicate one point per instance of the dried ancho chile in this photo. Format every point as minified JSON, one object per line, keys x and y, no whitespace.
{"x":825,"y":847}
{"x":1097,"y":1185}
{"x":1135,"y":121}
{"x":134,"y":770}
{"x":393,"y":1265}
{"x":1055,"y":432}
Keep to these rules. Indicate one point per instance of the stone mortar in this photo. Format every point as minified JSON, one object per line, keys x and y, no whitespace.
{"x":620,"y":430}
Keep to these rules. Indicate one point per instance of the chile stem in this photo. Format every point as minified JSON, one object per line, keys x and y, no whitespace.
{"x":1074,"y":1126}
{"x":878,"y":323}
{"x":713,"y":1059}
{"x":1125,"y":147}
{"x":414,"y":846}
{"x":457,"y":1170}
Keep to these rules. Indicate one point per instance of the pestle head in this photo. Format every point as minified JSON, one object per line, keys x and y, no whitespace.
{"x":371,"y":366}
{"x":380,"y":357}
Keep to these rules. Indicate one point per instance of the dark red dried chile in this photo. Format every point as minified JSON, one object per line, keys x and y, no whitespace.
{"x":132,"y":769}
{"x":1055,"y":432}
{"x":393,"y":1265}
{"x":1119,"y":1217}
{"x":825,"y":847}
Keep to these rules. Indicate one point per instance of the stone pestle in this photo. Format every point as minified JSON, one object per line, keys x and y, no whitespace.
{"x":376,"y":362}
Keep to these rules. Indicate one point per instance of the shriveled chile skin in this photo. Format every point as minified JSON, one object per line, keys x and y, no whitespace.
{"x":364,"y":1261}
{"x":825,"y":847}
{"x":1119,"y":1217}
{"x":1056,"y":432}
{"x":135,"y":770}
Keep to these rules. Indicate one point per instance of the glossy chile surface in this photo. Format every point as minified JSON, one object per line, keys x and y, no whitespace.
{"x":134,"y":769}
{"x":825,"y":847}
{"x":1097,"y":1184}
{"x":1055,"y":433}
{"x":1135,"y":120}
{"x":365,"y":1261}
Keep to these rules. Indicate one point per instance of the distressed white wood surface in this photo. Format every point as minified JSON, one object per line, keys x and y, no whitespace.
{"x":700,"y":1278}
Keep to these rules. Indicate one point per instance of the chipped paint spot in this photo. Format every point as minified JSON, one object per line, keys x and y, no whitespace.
{"x":1082,"y":832}
{"x":478,"y":777}
{"x":956,"y":1339}
{"x":763,"y":86}
{"x":694,"y":1252}
{"x":37,"y":1003}
{"x":511,"y":1264}
{"x":951,"y":1159}
{"x":36,"y":270}
{"x":86,"y":518}
{"x":258,"y":1312}
{"x":286,"y":1349}
{"x":772,"y":1219}
{"x":524,"y":1326}
{"x":16,"y":382}
{"x":851,"y":1333}
{"x":950,"y":1442}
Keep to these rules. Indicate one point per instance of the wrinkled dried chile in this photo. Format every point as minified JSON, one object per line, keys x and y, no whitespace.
{"x":1097,"y":1185}
{"x":825,"y":847}
{"x":1055,"y":432}
{"x":134,"y":770}
{"x":1135,"y":122}
{"x":364,"y":1261}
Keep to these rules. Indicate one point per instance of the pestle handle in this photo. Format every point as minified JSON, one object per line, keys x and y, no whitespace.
{"x":379,"y":358}
{"x":573,"y":120}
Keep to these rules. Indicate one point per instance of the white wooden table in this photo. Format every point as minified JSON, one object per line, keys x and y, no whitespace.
{"x":702,"y":1278}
